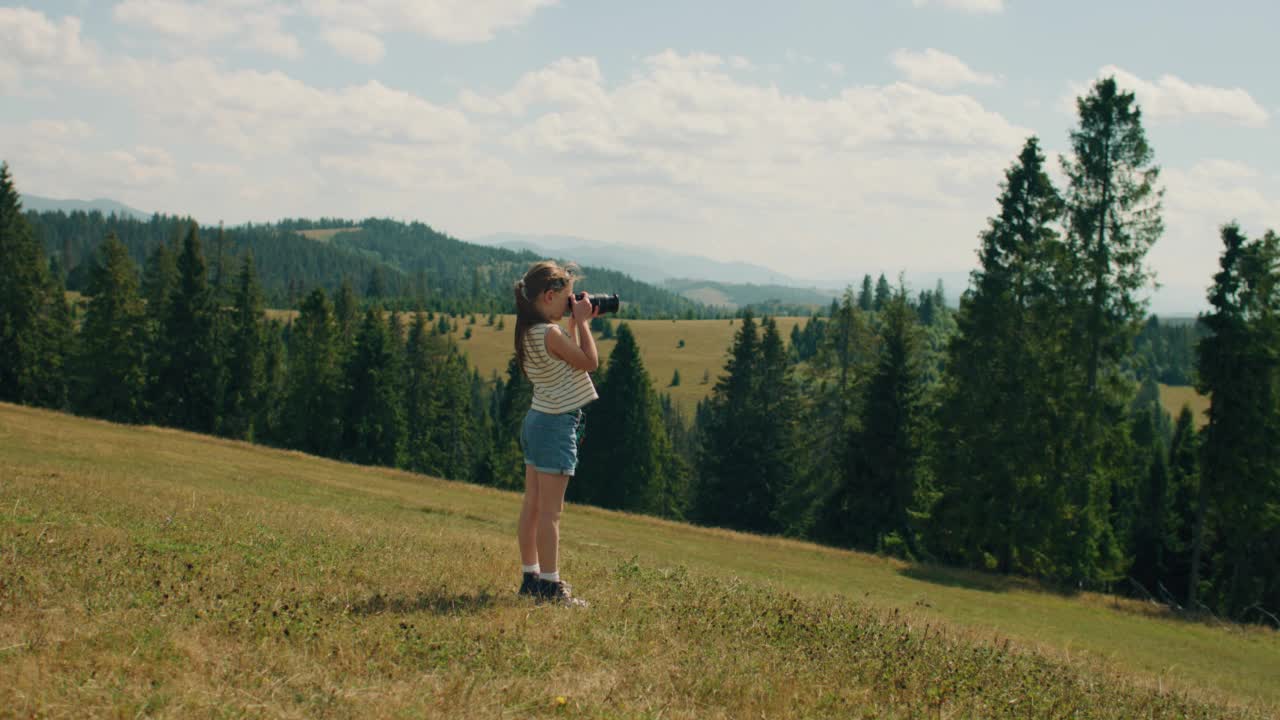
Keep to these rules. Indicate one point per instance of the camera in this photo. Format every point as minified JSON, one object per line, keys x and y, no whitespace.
{"x":606,"y":303}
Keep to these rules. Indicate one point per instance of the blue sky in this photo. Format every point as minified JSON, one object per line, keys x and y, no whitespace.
{"x":823,"y":139}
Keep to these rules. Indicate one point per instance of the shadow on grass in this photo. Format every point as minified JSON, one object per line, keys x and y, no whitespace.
{"x":436,"y":602}
{"x":445,"y":512}
{"x":967,"y":579}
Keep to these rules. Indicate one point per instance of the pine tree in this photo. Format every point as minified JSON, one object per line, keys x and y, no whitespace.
{"x":456,"y":443}
{"x":1184,"y":483}
{"x":268,"y":425}
{"x":778,"y":420}
{"x":736,"y":486}
{"x":892,"y":499}
{"x":866,"y":297}
{"x":245,"y":374}
{"x":1113,"y":218}
{"x":514,"y":398}
{"x":346,"y":311}
{"x":312,"y":416}
{"x":1002,"y":454}
{"x":423,"y":364}
{"x":1113,"y":209}
{"x":623,"y":455}
{"x":34,"y":318}
{"x":883,"y":293}
{"x":1239,"y":370}
{"x":159,"y":280}
{"x":373,"y":421}
{"x":190,"y":381}
{"x":111,"y":370}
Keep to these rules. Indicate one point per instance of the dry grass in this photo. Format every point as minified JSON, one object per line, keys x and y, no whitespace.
{"x":705,"y":350}
{"x":1173,"y":397}
{"x":325,"y":235}
{"x":149,"y":572}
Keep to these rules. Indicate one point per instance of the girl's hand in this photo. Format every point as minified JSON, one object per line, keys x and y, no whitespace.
{"x":583,"y":310}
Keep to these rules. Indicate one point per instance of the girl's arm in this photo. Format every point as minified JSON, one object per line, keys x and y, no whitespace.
{"x":579,"y":347}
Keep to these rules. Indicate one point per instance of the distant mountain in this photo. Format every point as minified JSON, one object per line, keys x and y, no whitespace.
{"x":735,"y":295}
{"x":642,"y":263}
{"x":36,"y":203}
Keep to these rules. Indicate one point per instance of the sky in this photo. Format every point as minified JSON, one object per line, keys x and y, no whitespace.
{"x":821,"y":139}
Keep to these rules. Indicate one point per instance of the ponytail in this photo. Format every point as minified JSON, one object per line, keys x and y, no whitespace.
{"x":542,"y":276}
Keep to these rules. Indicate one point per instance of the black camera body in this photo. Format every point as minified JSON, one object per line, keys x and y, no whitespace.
{"x":606,"y":303}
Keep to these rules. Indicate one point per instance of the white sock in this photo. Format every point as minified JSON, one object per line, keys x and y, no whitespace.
{"x":531,"y":568}
{"x":551,"y":576}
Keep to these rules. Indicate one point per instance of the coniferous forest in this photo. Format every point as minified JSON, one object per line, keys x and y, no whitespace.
{"x":1020,"y":433}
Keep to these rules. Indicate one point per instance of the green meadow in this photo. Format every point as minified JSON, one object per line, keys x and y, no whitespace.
{"x":152,"y":572}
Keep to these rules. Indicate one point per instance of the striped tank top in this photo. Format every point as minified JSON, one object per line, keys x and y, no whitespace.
{"x":558,"y":387}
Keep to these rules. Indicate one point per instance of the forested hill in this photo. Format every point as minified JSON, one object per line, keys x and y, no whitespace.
{"x":398,"y":263}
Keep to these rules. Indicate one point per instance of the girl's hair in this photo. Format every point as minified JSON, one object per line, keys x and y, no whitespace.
{"x":542,"y":276}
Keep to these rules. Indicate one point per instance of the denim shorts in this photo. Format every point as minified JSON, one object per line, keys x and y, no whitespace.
{"x":550,"y":442}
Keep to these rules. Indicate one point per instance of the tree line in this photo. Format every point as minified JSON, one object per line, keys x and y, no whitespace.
{"x":399,"y":265}
{"x":1021,"y":433}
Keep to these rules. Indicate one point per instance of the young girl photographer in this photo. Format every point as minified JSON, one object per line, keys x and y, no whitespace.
{"x":557,"y":364}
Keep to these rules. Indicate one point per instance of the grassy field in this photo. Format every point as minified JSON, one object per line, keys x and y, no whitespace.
{"x":703,"y":355}
{"x":706,"y":346}
{"x":1173,"y":397}
{"x":150,"y":572}
{"x":325,"y":235}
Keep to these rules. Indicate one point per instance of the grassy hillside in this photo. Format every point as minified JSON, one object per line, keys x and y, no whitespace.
{"x":152,"y":572}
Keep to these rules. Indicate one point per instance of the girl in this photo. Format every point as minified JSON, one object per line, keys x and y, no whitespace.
{"x":556,"y":364}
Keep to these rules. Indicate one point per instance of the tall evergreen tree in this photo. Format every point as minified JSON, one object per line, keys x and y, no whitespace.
{"x":513,"y":402}
{"x":190,"y":381}
{"x":245,"y":373}
{"x":1184,"y":482}
{"x":819,"y":505}
{"x":1113,"y":218}
{"x":1003,"y":456}
{"x":313,"y":401}
{"x":34,"y":319}
{"x":892,"y":500}
{"x":423,"y":365}
{"x":737,"y":486}
{"x":111,"y":371}
{"x":1239,"y":370}
{"x":268,"y":425}
{"x":883,"y":293}
{"x":1113,"y":210}
{"x":346,"y":310}
{"x":373,"y":421}
{"x":622,"y":463}
{"x":866,"y":296}
{"x":159,"y":280}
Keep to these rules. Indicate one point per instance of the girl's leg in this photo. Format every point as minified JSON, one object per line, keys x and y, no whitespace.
{"x":528,"y":527}
{"x":550,"y":504}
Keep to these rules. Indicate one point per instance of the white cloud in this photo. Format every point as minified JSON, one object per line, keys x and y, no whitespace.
{"x":455,"y":21}
{"x":683,"y":145}
{"x":145,"y":165}
{"x":973,"y":6}
{"x":355,"y":45}
{"x":1172,"y":98}
{"x":934,"y":68}
{"x":1198,"y":200}
{"x":32,"y":45}
{"x":254,"y":25}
